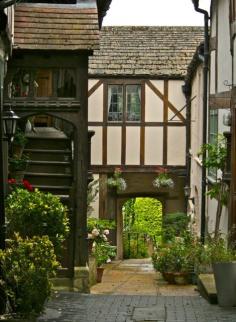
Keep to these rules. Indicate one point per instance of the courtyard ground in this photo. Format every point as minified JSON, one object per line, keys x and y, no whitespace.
{"x":131,"y":291}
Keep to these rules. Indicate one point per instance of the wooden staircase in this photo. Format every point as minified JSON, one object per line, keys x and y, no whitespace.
{"x":50,"y":161}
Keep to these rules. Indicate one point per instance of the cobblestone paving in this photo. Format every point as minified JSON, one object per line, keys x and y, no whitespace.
{"x":72,"y":307}
{"x":131,"y":291}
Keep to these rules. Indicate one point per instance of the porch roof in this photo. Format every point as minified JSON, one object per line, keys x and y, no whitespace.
{"x":145,"y":51}
{"x":56,"y":27}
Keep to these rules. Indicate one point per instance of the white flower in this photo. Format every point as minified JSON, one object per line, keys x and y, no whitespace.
{"x":95,"y":232}
{"x":106,"y":232}
{"x":104,"y":237}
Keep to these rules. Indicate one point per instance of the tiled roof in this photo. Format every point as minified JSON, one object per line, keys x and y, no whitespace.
{"x":56,"y":27}
{"x":143,"y":51}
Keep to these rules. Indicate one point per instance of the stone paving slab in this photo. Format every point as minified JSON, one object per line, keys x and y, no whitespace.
{"x":74,"y":307}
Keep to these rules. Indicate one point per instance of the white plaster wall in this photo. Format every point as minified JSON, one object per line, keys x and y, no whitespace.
{"x":224,"y":56}
{"x":176,"y":97}
{"x":212,"y":208}
{"x":96,"y":145}
{"x":213,"y":20}
{"x":153,"y":145}
{"x":196,"y":139}
{"x":114,"y":145}
{"x":133,"y":145}
{"x":212,"y":72}
{"x":95,"y":203}
{"x":95,"y":103}
{"x":176,"y":145}
{"x":153,"y":104}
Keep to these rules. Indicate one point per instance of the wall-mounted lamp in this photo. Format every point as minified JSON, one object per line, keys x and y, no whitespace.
{"x":9,"y":124}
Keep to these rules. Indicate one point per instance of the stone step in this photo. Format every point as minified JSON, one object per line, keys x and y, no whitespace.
{"x":36,"y":154}
{"x":207,"y":287}
{"x":51,"y":179}
{"x":49,"y":167}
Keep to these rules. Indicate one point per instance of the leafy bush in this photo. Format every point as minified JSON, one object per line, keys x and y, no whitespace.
{"x":100,"y":224}
{"x":148,"y":216}
{"x":174,"y":225}
{"x":37,"y":214}
{"x":26,"y":266}
{"x":175,"y":257}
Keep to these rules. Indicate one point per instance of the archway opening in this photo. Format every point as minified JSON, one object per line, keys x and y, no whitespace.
{"x":142,"y":226}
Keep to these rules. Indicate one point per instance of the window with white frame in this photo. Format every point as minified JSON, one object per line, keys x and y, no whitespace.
{"x":124,"y":103}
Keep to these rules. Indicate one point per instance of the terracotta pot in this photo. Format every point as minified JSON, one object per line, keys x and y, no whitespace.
{"x":99,"y":274}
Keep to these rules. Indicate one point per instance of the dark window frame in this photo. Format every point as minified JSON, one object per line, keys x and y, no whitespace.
{"x":124,"y":84}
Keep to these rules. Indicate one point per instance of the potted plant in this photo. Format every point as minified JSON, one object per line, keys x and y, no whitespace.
{"x":17,"y":166}
{"x":116,"y":181}
{"x":103,"y":253}
{"x":175,"y":261}
{"x":224,"y":268}
{"x":19,"y":143}
{"x":163,"y":180}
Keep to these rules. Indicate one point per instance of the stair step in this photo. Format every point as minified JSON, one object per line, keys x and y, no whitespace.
{"x":46,"y":174}
{"x":56,"y":190}
{"x":66,"y":151}
{"x":48,"y":143}
{"x":49,"y":167}
{"x":49,"y":162}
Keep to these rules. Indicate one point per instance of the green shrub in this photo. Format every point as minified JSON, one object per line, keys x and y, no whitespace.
{"x":174,"y":225}
{"x":37,"y":214}
{"x":26,"y":266}
{"x":148,"y":216}
{"x":100,"y":224}
{"x":104,"y":252}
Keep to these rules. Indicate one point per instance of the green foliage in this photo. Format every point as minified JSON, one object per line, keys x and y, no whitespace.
{"x":116,"y":181}
{"x":104,"y":252}
{"x":100,"y":224}
{"x":27,"y":266}
{"x":215,"y":153}
{"x":174,"y":225}
{"x":177,"y":256}
{"x":37,"y":214}
{"x":128,"y":214}
{"x":148,"y":216}
{"x":18,"y":163}
{"x":20,"y":138}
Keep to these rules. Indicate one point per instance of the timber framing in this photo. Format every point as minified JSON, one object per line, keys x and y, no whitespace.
{"x":178,"y":120}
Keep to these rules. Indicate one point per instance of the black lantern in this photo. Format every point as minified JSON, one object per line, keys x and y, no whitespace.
{"x":9,"y":124}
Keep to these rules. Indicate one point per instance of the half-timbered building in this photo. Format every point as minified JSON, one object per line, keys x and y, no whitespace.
{"x":138,"y":112}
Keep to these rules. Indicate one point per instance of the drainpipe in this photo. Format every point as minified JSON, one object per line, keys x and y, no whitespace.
{"x":205,"y":112}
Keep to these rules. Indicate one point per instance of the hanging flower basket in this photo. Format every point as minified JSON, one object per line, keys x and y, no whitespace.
{"x":163,"y":180}
{"x":116,"y":181}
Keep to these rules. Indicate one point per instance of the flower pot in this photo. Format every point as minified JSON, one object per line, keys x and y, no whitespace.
{"x":225,"y":279}
{"x":181,"y":278}
{"x":100,"y":271}
{"x":169,"y":277}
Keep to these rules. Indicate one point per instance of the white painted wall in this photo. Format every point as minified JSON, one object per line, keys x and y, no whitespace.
{"x":176,"y":97}
{"x":213,"y":72}
{"x":154,"y":105}
{"x":176,"y":145}
{"x":153,"y":145}
{"x":95,"y":103}
{"x":132,"y":145}
{"x":114,"y":145}
{"x":224,"y":56}
{"x":196,"y":141}
{"x":96,"y":145}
